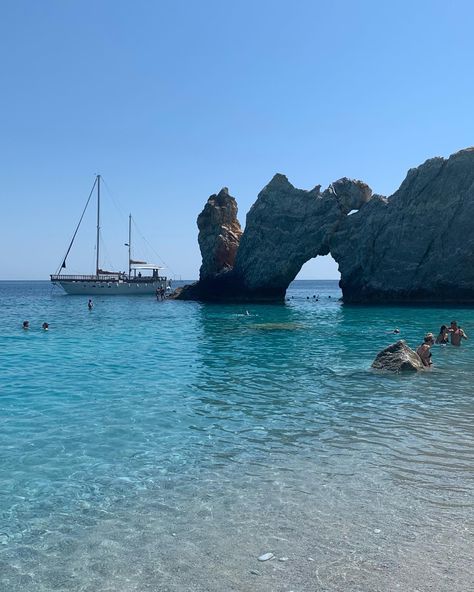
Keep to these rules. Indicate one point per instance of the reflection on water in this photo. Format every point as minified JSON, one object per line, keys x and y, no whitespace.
{"x":167,"y":445}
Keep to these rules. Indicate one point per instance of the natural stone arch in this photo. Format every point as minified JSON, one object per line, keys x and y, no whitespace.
{"x":284,"y":228}
{"x":417,"y":245}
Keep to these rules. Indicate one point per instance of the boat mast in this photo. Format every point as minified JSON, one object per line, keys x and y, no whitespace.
{"x":129,"y":245}
{"x":98,"y":228}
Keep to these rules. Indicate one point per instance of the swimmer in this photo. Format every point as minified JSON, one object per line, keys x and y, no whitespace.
{"x":45,"y":326}
{"x":26,"y":325}
{"x":90,"y":304}
{"x":396,"y":331}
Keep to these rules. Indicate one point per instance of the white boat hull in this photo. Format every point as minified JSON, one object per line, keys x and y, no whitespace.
{"x":112,"y":288}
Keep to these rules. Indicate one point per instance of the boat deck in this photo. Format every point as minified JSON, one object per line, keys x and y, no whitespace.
{"x":112,"y":277}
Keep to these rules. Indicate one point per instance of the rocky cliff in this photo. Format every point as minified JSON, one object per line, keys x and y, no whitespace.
{"x":416,"y":245}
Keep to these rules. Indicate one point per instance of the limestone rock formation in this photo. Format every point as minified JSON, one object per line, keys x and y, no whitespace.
{"x":417,"y":245}
{"x":398,"y":357}
{"x":219,"y":234}
{"x":219,"y":237}
{"x":286,"y":227}
{"x":350,"y":195}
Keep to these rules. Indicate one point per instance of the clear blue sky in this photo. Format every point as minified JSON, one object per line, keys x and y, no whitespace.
{"x":171,"y":100}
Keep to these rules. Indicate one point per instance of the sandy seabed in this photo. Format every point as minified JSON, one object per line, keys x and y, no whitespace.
{"x":348,"y":532}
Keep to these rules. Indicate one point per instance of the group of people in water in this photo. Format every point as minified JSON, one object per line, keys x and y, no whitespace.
{"x":160,"y":293}
{"x":45,"y":326}
{"x":315,"y":298}
{"x":453,"y":334}
{"x":26,"y":326}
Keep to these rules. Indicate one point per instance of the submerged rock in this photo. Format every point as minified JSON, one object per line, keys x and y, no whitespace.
{"x":398,"y":357}
{"x":277,"y":326}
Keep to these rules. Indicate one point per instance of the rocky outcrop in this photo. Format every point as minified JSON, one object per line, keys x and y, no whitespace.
{"x":417,"y":245}
{"x":219,"y":234}
{"x":286,"y":227}
{"x":398,"y":357}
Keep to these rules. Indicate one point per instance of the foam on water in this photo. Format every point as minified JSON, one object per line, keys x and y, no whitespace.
{"x":165,"y":446}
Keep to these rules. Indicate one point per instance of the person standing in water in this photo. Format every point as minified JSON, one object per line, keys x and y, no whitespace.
{"x":424,"y":351}
{"x":26,"y":325}
{"x":90,"y":304}
{"x":457,"y":334}
{"x":443,"y":336}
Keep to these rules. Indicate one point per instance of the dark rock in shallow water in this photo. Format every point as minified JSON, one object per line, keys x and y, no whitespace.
{"x":398,"y":357}
{"x":415,"y":246}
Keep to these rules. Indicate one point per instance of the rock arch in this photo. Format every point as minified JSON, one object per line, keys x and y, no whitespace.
{"x":285,"y":228}
{"x":417,"y":245}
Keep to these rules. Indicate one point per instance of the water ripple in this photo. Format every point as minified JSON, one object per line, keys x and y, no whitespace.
{"x":189,"y":410}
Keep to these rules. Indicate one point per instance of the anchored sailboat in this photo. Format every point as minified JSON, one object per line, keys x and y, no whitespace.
{"x":142,"y":277}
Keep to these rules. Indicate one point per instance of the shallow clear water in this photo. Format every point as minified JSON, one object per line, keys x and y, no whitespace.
{"x":166,"y":445}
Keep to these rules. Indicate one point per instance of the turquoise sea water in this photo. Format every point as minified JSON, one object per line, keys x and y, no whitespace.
{"x":166,"y":445}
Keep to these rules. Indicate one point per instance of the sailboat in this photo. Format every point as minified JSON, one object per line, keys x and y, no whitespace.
{"x":142,"y":277}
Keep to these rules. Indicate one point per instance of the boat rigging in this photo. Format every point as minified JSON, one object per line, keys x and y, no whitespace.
{"x":142,"y":277}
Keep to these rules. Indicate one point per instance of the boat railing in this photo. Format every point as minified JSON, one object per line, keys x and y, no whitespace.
{"x":85,"y":278}
{"x":147,"y":278}
{"x":106,"y":278}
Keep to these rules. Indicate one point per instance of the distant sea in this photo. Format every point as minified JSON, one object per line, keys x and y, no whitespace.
{"x":165,"y":446}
